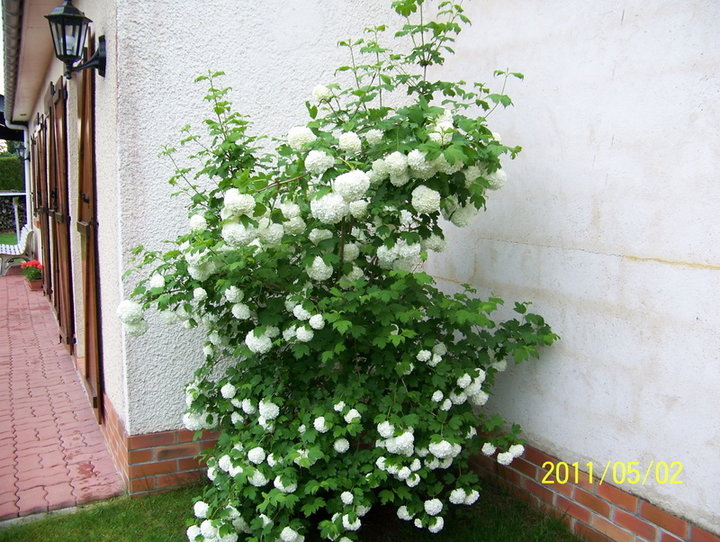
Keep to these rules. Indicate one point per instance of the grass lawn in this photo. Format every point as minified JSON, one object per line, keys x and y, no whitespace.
{"x":496,"y":517}
{"x":8,"y":239}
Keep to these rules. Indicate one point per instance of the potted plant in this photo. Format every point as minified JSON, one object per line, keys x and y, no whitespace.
{"x":32,"y":271}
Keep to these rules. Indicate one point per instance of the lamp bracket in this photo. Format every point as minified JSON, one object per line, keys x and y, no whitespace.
{"x":96,"y":61}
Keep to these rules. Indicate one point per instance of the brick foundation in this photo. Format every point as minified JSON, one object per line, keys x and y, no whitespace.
{"x":600,"y":513}
{"x":154,"y":462}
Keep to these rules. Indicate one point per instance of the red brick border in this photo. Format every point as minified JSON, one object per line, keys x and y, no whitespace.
{"x":154,"y":462}
{"x":600,"y":513}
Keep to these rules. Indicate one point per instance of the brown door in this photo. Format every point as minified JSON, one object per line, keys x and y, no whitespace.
{"x":40,"y":198}
{"x":59,"y":214}
{"x":87,"y":226}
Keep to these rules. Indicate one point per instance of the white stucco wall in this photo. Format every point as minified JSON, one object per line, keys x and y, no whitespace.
{"x":274,"y":53}
{"x":609,"y":223}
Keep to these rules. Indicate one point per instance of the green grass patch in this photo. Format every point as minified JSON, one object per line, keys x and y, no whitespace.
{"x":496,"y":517}
{"x":8,"y":239}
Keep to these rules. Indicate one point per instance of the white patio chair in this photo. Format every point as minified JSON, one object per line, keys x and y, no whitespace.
{"x":22,"y":250}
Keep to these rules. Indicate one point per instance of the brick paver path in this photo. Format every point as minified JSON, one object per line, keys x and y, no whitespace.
{"x":52,"y":453}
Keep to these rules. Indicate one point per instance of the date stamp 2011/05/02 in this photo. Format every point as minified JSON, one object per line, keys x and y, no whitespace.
{"x":616,"y":472}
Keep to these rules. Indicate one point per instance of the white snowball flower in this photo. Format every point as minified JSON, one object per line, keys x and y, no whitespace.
{"x":352,"y":185}
{"x":457,"y":398}
{"x":299,"y":137}
{"x":403,"y":473}
{"x":373,"y":137}
{"x":193,"y":421}
{"x":500,"y":366}
{"x":208,"y":530}
{"x":358,"y":208}
{"x":497,"y":179}
{"x":266,"y":520}
{"x":237,"y":235}
{"x":289,"y":535}
{"x":437,"y":396}
{"x":441,"y":449}
{"x":289,"y":488}
{"x":412,"y":480}
{"x":457,"y":496}
{"x":321,"y":93}
{"x":352,"y":415}
{"x":347,"y":498}
{"x":321,"y":425}
{"x":437,"y":525}
{"x":200,"y":509}
{"x":289,"y":209}
{"x":236,"y":203}
{"x":350,"y":525}
{"x":270,"y":233}
{"x":192,"y":532}
{"x":464,"y":215}
{"x":302,"y":429}
{"x":258,"y":479}
{"x":248,"y":407}
{"x":233,"y":294}
{"x":403,"y":513}
{"x":137,"y":329}
{"x":330,"y":208}
{"x":256,"y":455}
{"x":434,"y":243}
{"x":440,"y":349}
{"x":402,"y":444}
{"x":318,"y":162}
{"x":433,"y":507}
{"x":464,"y":381}
{"x":268,"y":410}
{"x":316,"y":321}
{"x":304,"y":335}
{"x":341,"y":445}
{"x":386,"y":429}
{"x":300,"y":313}
{"x":446,"y":405}
{"x":258,"y":345}
{"x":396,"y":164}
{"x":517,"y":450}
{"x":295,"y":225}
{"x":198,"y":223}
{"x":227,"y":391}
{"x":129,"y":312}
{"x":350,"y":142}
{"x":472,"y":432}
{"x":319,"y":270}
{"x":478,"y":399}
{"x":241,"y":311}
{"x":339,"y":406}
{"x":424,"y":355}
{"x":425,"y":200}
{"x":472,"y":497}
{"x":505,"y":458}
{"x":156,"y":281}
{"x":236,"y":418}
{"x":351,"y":251}
{"x":225,"y":463}
{"x":316,"y":235}
{"x":199,"y":294}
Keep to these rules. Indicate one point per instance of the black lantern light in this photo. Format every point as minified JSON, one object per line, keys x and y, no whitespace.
{"x":68,"y":26}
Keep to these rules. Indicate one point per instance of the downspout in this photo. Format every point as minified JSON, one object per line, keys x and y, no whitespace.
{"x":12,"y":25}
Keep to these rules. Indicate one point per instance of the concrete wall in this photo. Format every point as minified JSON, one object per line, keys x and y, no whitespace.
{"x":273,"y":56}
{"x":609,"y":224}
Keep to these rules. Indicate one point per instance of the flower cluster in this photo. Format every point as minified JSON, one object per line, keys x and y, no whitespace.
{"x":32,"y":270}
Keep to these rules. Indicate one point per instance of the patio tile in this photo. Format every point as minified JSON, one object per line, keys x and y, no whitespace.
{"x":52,"y":454}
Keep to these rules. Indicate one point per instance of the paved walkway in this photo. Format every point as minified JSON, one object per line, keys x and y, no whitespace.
{"x":52,"y":453}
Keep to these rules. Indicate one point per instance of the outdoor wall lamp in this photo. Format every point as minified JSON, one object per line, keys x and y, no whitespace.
{"x":68,"y":26}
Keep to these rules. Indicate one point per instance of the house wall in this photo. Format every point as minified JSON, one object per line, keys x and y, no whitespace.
{"x":608,"y":223}
{"x":161,"y":47}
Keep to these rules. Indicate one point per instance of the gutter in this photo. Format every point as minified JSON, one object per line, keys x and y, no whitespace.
{"x":12,"y":25}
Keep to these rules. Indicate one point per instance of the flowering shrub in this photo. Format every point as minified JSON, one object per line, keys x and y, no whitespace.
{"x":32,"y":270}
{"x":339,"y":376}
